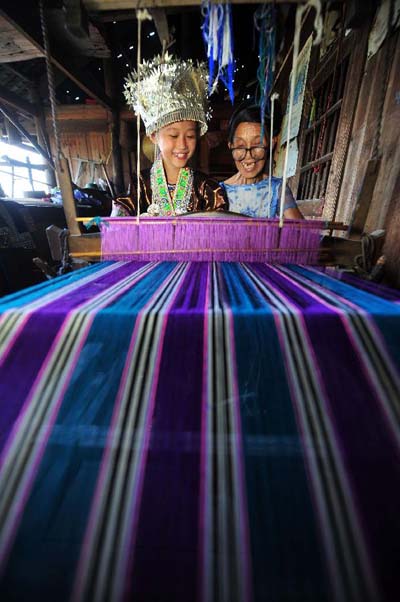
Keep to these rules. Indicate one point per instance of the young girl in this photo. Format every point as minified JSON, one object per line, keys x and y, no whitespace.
{"x":248,"y":190}
{"x":171,"y":98}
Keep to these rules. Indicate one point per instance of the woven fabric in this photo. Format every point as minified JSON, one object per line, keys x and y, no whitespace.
{"x":199,"y":431}
{"x":212,"y":237}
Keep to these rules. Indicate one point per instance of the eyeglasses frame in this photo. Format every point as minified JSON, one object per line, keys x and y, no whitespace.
{"x":249,"y":150}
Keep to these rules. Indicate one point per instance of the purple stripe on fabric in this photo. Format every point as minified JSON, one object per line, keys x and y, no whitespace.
{"x":166,"y":550}
{"x":205,"y":408}
{"x":367,"y":447}
{"x":29,"y":351}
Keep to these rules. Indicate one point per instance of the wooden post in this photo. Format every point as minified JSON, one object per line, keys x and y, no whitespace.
{"x":64,"y":182}
{"x":111,"y":83}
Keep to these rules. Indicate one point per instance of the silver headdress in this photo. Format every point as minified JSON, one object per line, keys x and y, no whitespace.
{"x":169,"y":89}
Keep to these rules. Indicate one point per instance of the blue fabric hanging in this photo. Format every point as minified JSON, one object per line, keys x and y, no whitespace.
{"x":218,"y":39}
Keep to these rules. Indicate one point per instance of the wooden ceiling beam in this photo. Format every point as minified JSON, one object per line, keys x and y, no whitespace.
{"x":97,"y":94}
{"x":16,"y":102}
{"x":107,"y":5}
{"x":14,"y":45}
{"x":159,"y":17}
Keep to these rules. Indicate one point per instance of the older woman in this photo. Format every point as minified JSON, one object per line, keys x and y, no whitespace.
{"x":248,"y":190}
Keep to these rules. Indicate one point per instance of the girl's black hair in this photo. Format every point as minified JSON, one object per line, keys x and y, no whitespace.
{"x":250,"y":113}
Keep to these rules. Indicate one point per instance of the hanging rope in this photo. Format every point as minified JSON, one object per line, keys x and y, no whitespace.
{"x":50,"y":80}
{"x":321,"y":139}
{"x":318,"y":26}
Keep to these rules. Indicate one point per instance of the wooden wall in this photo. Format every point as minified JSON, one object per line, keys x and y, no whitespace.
{"x":362,"y":137}
{"x":85,"y":133}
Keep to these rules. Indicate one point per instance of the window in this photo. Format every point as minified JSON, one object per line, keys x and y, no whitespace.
{"x":320,"y":132}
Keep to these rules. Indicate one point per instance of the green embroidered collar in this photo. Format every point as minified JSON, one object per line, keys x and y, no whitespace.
{"x":162,"y":201}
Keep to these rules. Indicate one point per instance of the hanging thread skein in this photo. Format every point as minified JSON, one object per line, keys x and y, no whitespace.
{"x":264,"y":23}
{"x":218,"y":39}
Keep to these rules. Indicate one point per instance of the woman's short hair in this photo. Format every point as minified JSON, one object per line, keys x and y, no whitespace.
{"x":251,"y":113}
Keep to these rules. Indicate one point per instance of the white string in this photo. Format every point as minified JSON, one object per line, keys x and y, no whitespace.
{"x":274,"y":97}
{"x":141,"y":15}
{"x":296,"y":43}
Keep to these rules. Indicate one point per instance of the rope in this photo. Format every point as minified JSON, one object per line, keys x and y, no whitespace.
{"x":321,"y":139}
{"x":50,"y":82}
{"x":386,"y":71}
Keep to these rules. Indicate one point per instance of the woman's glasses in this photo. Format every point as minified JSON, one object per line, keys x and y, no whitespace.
{"x":256,"y":152}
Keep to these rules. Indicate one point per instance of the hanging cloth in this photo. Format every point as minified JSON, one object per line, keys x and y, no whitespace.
{"x":218,"y":39}
{"x":264,"y":23}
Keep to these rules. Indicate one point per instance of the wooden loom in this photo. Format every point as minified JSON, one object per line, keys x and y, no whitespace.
{"x":194,"y":238}
{"x":87,"y":246}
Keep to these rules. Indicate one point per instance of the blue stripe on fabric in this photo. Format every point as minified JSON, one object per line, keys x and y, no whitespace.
{"x":368,"y":301}
{"x":286,"y":555}
{"x":33,"y":293}
{"x":60,"y":501}
{"x":382,"y":312}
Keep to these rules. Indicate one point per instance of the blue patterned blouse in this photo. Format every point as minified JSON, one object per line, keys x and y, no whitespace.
{"x":253,"y":199}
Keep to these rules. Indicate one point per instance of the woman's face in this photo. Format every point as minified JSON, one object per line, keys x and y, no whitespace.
{"x":177,"y":143}
{"x":247,"y":135}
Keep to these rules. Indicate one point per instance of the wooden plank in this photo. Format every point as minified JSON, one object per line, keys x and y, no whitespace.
{"x":390,"y":147}
{"x":79,"y":113}
{"x":160,"y":21}
{"x":64,"y":182}
{"x":16,"y":102}
{"x":85,"y":245}
{"x":316,"y":162}
{"x":70,"y":126}
{"x":347,"y":114}
{"x":362,"y":137}
{"x":104,"y":5}
{"x":339,"y":251}
{"x":391,"y":247}
{"x":61,"y":64}
{"x":364,"y":198}
{"x":14,"y":46}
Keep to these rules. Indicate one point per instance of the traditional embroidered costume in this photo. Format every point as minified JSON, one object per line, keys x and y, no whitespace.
{"x":167,"y":91}
{"x":200,"y":193}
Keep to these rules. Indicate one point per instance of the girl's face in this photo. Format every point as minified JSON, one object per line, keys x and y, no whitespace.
{"x":247,"y":135}
{"x":177,"y":144}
